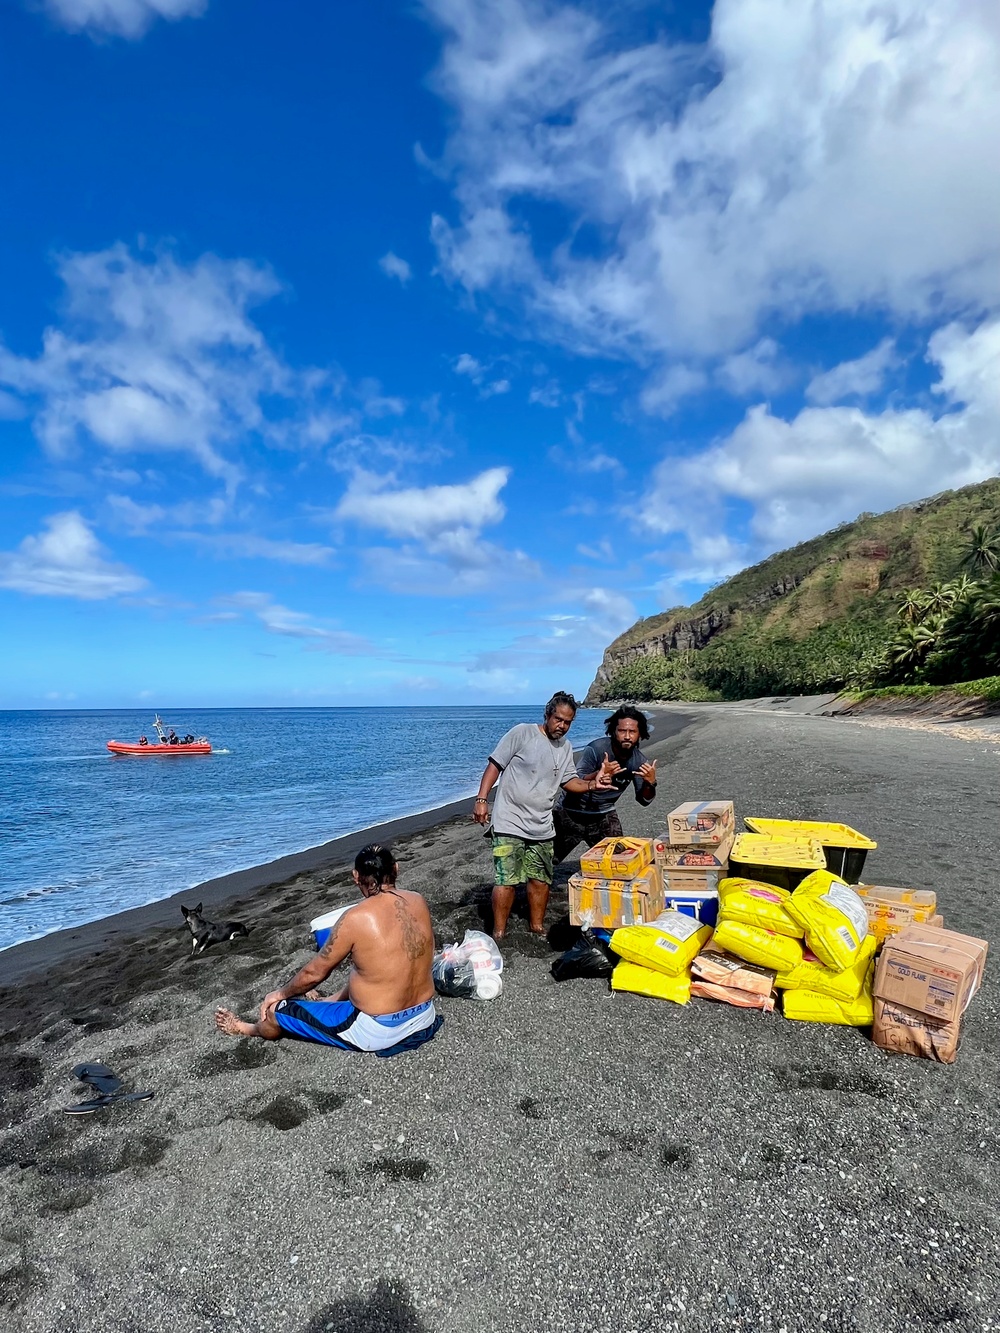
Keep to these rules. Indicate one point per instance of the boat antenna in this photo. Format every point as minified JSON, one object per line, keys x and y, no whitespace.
{"x":159,"y":727}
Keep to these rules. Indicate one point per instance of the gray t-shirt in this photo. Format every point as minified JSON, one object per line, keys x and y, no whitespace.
{"x":534,"y":769}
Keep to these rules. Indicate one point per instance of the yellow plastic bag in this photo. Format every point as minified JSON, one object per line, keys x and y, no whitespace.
{"x":644,"y":981}
{"x":833,"y":917}
{"x":762,"y":905}
{"x":810,"y":1007}
{"x":755,"y":945}
{"x":812,"y":975}
{"x":667,"y":945}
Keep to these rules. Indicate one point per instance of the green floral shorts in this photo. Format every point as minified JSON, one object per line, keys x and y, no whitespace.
{"x":516,"y":860}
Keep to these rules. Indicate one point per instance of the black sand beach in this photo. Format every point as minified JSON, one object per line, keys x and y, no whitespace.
{"x":562,"y":1158}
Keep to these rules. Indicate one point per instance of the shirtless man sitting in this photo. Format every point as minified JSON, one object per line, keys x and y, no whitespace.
{"x":388,"y":1002}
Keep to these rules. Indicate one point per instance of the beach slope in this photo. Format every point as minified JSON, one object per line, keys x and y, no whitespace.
{"x":563,"y":1158}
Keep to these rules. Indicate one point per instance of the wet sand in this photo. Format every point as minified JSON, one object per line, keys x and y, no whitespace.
{"x":563,"y":1158}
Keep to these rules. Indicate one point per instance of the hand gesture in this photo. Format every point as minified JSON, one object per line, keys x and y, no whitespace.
{"x":269,"y":1004}
{"x":481,"y":812}
{"x":648,"y":773}
{"x":609,"y":767}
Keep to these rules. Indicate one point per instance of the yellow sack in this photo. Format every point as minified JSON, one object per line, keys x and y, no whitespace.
{"x":754,"y":945}
{"x":667,"y":945}
{"x":809,"y":1007}
{"x":833,"y":917}
{"x":762,"y":905}
{"x":811,"y":975}
{"x":644,"y":981}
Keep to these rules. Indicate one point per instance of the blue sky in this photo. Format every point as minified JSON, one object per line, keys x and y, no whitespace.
{"x":356,"y":352}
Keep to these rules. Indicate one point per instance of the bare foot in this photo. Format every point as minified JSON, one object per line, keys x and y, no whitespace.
{"x":312,"y":995}
{"x":227,"y":1022}
{"x":537,"y":930}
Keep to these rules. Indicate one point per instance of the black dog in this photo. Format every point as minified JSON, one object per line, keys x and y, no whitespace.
{"x":208,"y":932}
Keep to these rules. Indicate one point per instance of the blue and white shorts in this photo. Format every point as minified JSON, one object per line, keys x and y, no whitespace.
{"x":340,"y":1023}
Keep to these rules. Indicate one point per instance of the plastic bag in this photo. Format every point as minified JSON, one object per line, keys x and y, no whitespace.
{"x":470,"y":969}
{"x":587,"y":958}
{"x":780,"y":953}
{"x":812,"y":975}
{"x":833,"y":917}
{"x":644,"y":981}
{"x":811,"y":1007}
{"x":668,"y":945}
{"x":763,"y":905}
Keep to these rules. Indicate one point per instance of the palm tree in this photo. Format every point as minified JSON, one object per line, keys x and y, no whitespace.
{"x":912,"y":645}
{"x":982,"y":550}
{"x":961,"y":589}
{"x":940,"y":597}
{"x":912,"y":605}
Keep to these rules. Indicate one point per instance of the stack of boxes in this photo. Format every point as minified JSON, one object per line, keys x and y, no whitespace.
{"x":892,"y":910}
{"x":693,"y":856}
{"x":924,"y":981}
{"x":618,"y":885}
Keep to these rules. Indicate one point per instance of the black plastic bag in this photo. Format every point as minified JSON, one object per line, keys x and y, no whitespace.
{"x":587,"y":958}
{"x":456,"y":979}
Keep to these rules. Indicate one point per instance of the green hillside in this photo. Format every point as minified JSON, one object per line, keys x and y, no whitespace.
{"x":831,"y":612}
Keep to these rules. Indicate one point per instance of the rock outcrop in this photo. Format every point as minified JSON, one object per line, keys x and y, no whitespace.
{"x":684,"y":635}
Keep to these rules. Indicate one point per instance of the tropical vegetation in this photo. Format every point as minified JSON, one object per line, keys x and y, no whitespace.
{"x":928,"y":616}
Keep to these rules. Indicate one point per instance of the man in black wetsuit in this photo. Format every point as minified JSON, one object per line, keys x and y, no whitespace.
{"x":588,"y":817}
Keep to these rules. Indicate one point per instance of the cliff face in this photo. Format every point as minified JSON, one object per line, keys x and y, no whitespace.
{"x":683,"y":635}
{"x":854,"y":571}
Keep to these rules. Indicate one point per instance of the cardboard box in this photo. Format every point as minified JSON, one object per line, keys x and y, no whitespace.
{"x":608,"y":903}
{"x":668,"y":855}
{"x":892,"y":910}
{"x":907,"y":1032}
{"x":684,"y":881}
{"x":930,"y":971}
{"x":700,"y":824}
{"x":617,"y":858}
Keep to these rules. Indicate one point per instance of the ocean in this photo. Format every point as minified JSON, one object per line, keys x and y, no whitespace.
{"x":85,"y":834}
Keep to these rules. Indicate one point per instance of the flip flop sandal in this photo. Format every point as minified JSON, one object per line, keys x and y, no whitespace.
{"x":100,"y":1077}
{"x":99,"y":1103}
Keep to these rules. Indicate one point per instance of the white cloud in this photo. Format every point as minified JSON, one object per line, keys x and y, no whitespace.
{"x":757,"y":370}
{"x":278,"y":619}
{"x":850,"y":379}
{"x":567,"y":639}
{"x":394,"y":267}
{"x":546,"y":395}
{"x":828,"y":464}
{"x":663,"y":393}
{"x":441,"y":517}
{"x":468,"y":365}
{"x":160,"y":356}
{"x":249,"y":546}
{"x":494,"y":388}
{"x":443,"y":552}
{"x":463,"y":567}
{"x":66,"y":560}
{"x":120,"y":18}
{"x":831,"y":156}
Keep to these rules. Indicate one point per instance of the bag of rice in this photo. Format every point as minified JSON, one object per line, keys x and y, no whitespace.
{"x":762,"y":905}
{"x":644,"y":981}
{"x":809,"y":1007}
{"x":833,"y":917}
{"x":812,"y":975}
{"x":667,"y":945}
{"x":766,"y":948}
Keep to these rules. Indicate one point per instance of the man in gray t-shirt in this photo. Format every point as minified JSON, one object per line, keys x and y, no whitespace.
{"x":533,"y":763}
